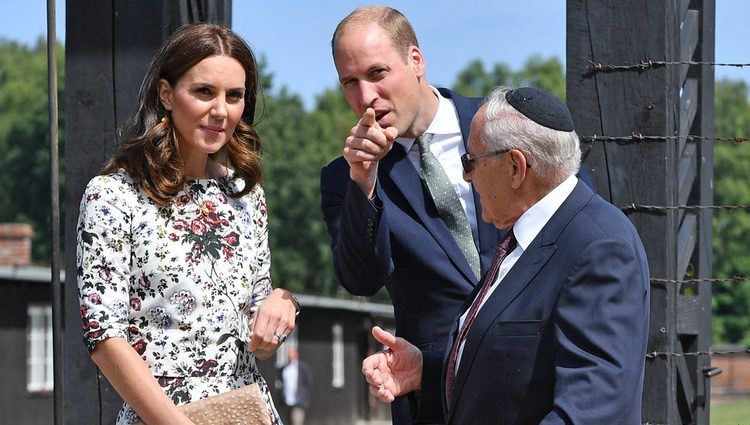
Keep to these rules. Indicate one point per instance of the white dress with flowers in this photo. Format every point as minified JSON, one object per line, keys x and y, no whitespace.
{"x":180,"y":283}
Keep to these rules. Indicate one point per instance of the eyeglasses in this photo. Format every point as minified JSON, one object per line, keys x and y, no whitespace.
{"x":467,"y":161}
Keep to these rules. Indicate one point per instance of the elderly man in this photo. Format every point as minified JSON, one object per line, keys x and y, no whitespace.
{"x":557,"y":330}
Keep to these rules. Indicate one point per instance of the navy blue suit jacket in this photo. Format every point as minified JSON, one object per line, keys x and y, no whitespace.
{"x":562,"y":340}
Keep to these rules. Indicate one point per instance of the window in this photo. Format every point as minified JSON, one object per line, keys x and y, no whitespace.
{"x":337,"y":346}
{"x":39,"y":359}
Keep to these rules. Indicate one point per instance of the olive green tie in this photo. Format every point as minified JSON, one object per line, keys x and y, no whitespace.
{"x":447,"y":202}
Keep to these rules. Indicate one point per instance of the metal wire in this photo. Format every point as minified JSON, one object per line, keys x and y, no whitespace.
{"x":639,"y":207}
{"x":638,"y":137}
{"x":736,"y":279}
{"x":657,"y":354}
{"x":647,"y":63}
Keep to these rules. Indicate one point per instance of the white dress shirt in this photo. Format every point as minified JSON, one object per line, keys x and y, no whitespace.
{"x":447,"y":145}
{"x":290,"y":377}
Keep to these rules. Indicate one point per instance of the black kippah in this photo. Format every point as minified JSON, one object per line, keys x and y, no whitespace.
{"x":541,"y":107}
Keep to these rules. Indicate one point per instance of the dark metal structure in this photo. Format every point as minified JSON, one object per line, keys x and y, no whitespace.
{"x":54,"y":167}
{"x":670,"y":100}
{"x":109,"y":44}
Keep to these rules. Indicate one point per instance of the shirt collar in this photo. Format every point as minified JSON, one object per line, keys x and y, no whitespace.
{"x":531,"y":222}
{"x":445,"y":121}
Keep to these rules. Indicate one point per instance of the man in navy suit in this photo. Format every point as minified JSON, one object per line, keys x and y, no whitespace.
{"x":556,"y":332}
{"x":384,"y":225}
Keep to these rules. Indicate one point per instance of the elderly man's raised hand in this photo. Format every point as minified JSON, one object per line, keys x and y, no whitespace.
{"x":394,"y":371}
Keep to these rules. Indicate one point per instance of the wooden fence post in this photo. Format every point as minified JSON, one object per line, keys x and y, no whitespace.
{"x":670,"y":101}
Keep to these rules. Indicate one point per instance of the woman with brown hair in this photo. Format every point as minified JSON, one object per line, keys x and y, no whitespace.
{"x":173,"y":257}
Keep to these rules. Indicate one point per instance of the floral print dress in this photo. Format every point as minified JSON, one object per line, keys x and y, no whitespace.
{"x":180,"y":283}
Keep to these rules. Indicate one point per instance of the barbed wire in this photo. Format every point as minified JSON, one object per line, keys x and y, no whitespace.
{"x":647,"y":63}
{"x":638,"y":137}
{"x":735,"y":279}
{"x":640,"y":207}
{"x":657,"y":354}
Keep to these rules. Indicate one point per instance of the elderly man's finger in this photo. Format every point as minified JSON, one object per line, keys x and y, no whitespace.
{"x":384,"y":337}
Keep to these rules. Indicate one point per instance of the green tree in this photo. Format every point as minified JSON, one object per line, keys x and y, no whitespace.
{"x":24,"y":138}
{"x":731,"y":301}
{"x":474,"y":81}
{"x":296,"y":145}
{"x":546,"y":74}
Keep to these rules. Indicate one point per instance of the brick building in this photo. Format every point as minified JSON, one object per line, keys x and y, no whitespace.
{"x":25,"y":331}
{"x":734,"y":381}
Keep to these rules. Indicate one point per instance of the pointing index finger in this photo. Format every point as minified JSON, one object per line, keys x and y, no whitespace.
{"x":368,"y":118}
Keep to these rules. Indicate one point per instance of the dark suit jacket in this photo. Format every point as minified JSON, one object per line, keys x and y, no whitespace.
{"x":563,"y":338}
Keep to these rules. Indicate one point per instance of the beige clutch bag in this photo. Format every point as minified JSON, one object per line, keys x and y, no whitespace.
{"x":243,"y":406}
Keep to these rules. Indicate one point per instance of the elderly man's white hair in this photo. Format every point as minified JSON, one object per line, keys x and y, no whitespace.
{"x":553,"y":154}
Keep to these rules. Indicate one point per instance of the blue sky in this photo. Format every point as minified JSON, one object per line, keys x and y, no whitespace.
{"x":294,"y":35}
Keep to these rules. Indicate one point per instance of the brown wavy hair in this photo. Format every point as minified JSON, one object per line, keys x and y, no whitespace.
{"x":149,"y":149}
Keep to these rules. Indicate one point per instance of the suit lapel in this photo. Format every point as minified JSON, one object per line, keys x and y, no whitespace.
{"x":397,"y":167}
{"x":518,"y":278}
{"x":487,"y":235}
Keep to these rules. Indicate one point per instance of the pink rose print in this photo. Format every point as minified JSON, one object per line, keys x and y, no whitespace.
{"x":140,"y":346}
{"x":232,"y":239}
{"x":144,"y":282}
{"x":208,"y":207}
{"x":204,"y":367}
{"x":104,"y":273}
{"x":198,"y":227}
{"x":95,"y":298}
{"x":180,"y":224}
{"x":215,"y":220}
